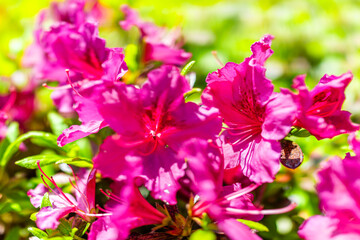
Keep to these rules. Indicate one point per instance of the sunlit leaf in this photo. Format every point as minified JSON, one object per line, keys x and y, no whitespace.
{"x":57,"y":123}
{"x":187,"y":68}
{"x":254,"y":225}
{"x":47,"y":159}
{"x":203,"y":235}
{"x":37,"y":232}
{"x":46,"y":139}
{"x":45,"y":202}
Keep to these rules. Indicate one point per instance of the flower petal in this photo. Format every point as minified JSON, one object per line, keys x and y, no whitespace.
{"x":48,"y":217}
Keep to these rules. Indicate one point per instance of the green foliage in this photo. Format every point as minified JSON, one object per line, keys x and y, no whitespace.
{"x":41,"y":138}
{"x":37,"y":232}
{"x":187,"y":68}
{"x":47,"y":159}
{"x":254,"y":225}
{"x":45,"y":202}
{"x":57,"y":123}
{"x":203,"y":235}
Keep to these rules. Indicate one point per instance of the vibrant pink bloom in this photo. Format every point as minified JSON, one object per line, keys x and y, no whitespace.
{"x":64,"y":203}
{"x":15,"y":106}
{"x":104,"y":228}
{"x":338,"y":189}
{"x":257,"y":118}
{"x":223,"y":204}
{"x":6,"y":103}
{"x":151,"y":125}
{"x":127,"y":210}
{"x":70,"y":12}
{"x":79,"y":49}
{"x":160,"y":44}
{"x":89,"y":116}
{"x":75,"y":12}
{"x":320,"y":109}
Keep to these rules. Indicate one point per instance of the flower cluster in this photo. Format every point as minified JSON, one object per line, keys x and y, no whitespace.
{"x":338,"y":189}
{"x":168,"y":162}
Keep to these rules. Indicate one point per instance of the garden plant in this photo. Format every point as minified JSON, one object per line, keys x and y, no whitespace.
{"x":117,"y":124}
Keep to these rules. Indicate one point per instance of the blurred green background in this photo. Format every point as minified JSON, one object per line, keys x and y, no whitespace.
{"x":313,"y":37}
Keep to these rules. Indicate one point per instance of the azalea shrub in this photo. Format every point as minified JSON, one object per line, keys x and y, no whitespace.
{"x":112,"y":141}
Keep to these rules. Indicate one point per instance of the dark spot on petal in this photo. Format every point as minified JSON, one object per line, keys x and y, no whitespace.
{"x":291,"y":154}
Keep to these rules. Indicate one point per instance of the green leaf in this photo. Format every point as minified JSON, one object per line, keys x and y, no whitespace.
{"x":45,"y":202}
{"x":13,"y":131}
{"x":37,"y":232}
{"x":31,"y":162}
{"x":33,"y":216}
{"x":86,"y":228}
{"x":78,"y":162}
{"x":187,"y":68}
{"x":13,"y":234}
{"x":57,"y":123}
{"x":44,"y":139}
{"x":11,"y":134}
{"x":73,"y":231}
{"x":85,"y":149}
{"x":65,"y":227}
{"x":9,"y":206}
{"x":203,"y":235}
{"x":192,"y":91}
{"x":254,"y":225}
{"x":131,"y":52}
{"x":4,"y":144}
{"x":301,"y":133}
{"x":47,"y":159}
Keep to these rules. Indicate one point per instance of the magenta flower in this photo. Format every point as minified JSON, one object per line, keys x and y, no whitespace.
{"x":75,"y":12}
{"x":79,"y":49}
{"x":338,"y":189}
{"x":128,"y":209}
{"x":160,"y":44}
{"x":320,"y":109}
{"x":15,"y":106}
{"x":63,"y":203}
{"x":6,"y":104}
{"x":151,"y":125}
{"x":223,"y":204}
{"x":89,"y":116}
{"x":257,"y":118}
{"x":70,"y":12}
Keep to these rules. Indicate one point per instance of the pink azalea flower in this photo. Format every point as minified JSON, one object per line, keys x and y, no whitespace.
{"x":223,"y":204}
{"x":160,"y":44}
{"x":151,"y":125}
{"x":257,"y":118}
{"x":89,"y":116}
{"x":128,"y":209}
{"x":71,"y":12}
{"x":92,"y":62}
{"x":79,"y":49}
{"x":320,"y":109}
{"x":338,"y":189}
{"x":15,"y":106}
{"x":6,"y":103}
{"x":75,"y":12}
{"x":64,"y":203}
